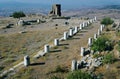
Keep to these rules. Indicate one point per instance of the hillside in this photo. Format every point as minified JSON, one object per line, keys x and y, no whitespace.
{"x":18,"y":41}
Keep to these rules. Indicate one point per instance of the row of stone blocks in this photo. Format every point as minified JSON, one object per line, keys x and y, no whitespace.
{"x":74,"y":65}
{"x":90,"y":40}
{"x":66,"y":35}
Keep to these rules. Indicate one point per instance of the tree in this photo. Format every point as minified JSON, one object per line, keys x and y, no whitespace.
{"x":101,"y":44}
{"x":18,"y":14}
{"x":79,"y":75}
{"x":107,"y":21}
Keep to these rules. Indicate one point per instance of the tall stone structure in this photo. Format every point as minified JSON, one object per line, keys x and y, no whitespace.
{"x":56,"y":10}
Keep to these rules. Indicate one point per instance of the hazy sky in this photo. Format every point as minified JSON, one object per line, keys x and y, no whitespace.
{"x":69,"y":3}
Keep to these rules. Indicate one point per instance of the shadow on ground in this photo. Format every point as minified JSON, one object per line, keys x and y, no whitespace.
{"x":52,"y":51}
{"x":34,"y":64}
{"x":63,"y":44}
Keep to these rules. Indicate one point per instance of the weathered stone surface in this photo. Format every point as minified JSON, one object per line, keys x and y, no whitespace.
{"x":26,"y":60}
{"x":46,"y":48}
{"x":95,"y":18}
{"x":99,"y":32}
{"x":101,"y":28}
{"x":81,"y":27}
{"x":96,"y":62}
{"x":65,"y":35}
{"x":95,"y":36}
{"x":91,"y":20}
{"x":56,"y":42}
{"x":76,"y":30}
{"x":74,"y":65}
{"x":71,"y":32}
{"x":82,"y":51}
{"x":86,"y":24}
{"x":20,"y":23}
{"x":56,"y":10}
{"x":89,"y":41}
{"x":83,"y":24}
{"x":38,"y":21}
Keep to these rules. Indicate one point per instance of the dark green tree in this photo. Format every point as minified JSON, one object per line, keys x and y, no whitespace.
{"x":79,"y":75}
{"x":107,"y":21}
{"x":18,"y":14}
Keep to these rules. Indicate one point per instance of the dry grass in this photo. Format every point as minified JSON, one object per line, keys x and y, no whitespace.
{"x":70,"y":49}
{"x":17,"y":45}
{"x":14,"y":46}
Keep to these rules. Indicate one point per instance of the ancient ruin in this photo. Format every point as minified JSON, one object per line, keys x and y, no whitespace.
{"x":76,"y":30}
{"x":56,"y":42}
{"x":99,"y":32}
{"x":80,"y":26}
{"x":82,"y":51}
{"x":46,"y":48}
{"x":26,"y":60}
{"x":56,"y":10}
{"x":74,"y":65}
{"x":65,"y":36}
{"x":20,"y":22}
{"x":95,"y":36}
{"x":71,"y":32}
{"x":89,"y":41}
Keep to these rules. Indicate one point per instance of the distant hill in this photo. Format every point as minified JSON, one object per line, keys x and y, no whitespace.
{"x":111,"y":7}
{"x":23,"y":5}
{"x":7,"y":8}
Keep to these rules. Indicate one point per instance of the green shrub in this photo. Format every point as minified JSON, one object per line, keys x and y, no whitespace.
{"x":107,"y":21}
{"x":79,"y":75}
{"x":18,"y":14}
{"x":108,"y":58}
{"x":102,"y":44}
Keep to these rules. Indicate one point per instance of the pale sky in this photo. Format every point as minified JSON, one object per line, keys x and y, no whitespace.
{"x":64,"y":1}
{"x":68,"y":3}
